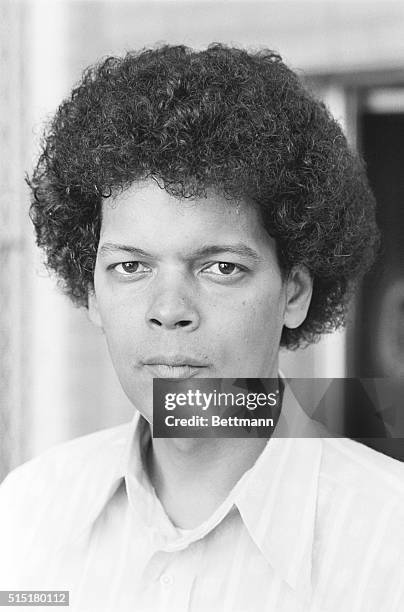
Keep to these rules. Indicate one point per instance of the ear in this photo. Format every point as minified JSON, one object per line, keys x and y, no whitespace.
{"x":299,"y":288}
{"x":93,"y":312}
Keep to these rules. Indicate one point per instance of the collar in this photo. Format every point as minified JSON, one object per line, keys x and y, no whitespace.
{"x":279,"y":498}
{"x":276,"y":498}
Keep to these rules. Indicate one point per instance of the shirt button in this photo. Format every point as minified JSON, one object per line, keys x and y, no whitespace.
{"x":166,"y":580}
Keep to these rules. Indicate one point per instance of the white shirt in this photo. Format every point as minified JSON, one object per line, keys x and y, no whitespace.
{"x":315,"y":525}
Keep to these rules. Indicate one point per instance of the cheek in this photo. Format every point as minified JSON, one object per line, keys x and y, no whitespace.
{"x":265,"y":322}
{"x":248,"y":324}
{"x":122,"y":327}
{"x":262,"y":323}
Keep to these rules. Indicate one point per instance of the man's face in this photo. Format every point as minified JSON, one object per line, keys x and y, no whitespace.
{"x":186,"y":289}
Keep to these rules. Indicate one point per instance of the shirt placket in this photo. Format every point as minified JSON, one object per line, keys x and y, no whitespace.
{"x":169,"y":577}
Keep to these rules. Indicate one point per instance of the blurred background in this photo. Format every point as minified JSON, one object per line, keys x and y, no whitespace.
{"x":56,"y":381}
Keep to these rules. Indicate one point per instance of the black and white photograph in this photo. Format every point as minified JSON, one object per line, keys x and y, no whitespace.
{"x":202,"y":305}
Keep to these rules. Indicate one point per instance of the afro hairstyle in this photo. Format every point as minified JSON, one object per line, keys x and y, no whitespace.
{"x":236,"y":121}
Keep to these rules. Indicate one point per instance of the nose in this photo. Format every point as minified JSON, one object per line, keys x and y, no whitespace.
{"x":172,"y":307}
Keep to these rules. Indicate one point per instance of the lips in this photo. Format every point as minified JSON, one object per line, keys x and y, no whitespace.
{"x":176,"y":366}
{"x":167,"y":371}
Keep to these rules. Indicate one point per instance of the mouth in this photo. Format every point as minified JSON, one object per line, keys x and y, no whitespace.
{"x":178,"y":372}
{"x":177,"y":367}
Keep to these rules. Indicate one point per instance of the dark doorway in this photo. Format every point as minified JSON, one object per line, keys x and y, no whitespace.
{"x":379,"y":320}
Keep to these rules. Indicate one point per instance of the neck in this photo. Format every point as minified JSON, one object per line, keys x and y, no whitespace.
{"x":193,"y":476}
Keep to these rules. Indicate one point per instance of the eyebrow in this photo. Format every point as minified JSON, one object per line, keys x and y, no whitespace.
{"x":205,"y":251}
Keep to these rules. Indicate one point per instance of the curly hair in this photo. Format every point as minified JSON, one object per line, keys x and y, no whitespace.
{"x":237,"y":121}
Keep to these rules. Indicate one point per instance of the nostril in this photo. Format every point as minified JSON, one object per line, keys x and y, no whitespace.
{"x":183,"y":323}
{"x":155,"y":322}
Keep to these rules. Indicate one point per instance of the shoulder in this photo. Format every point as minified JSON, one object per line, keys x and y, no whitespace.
{"x":49,"y":501}
{"x":353,"y":465}
{"x":75,"y":474}
{"x":369,"y":484}
{"x":69,"y":458}
{"x":359,"y":532}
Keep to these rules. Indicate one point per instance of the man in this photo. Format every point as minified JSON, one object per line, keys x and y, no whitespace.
{"x":207,"y":210}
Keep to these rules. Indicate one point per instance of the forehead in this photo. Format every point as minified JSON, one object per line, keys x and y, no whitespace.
{"x":148,"y":214}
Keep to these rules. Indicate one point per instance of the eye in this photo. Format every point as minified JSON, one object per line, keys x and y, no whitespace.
{"x":128,"y":268}
{"x":224,"y":268}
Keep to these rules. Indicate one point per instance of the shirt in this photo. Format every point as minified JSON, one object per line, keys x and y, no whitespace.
{"x":317,"y":524}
